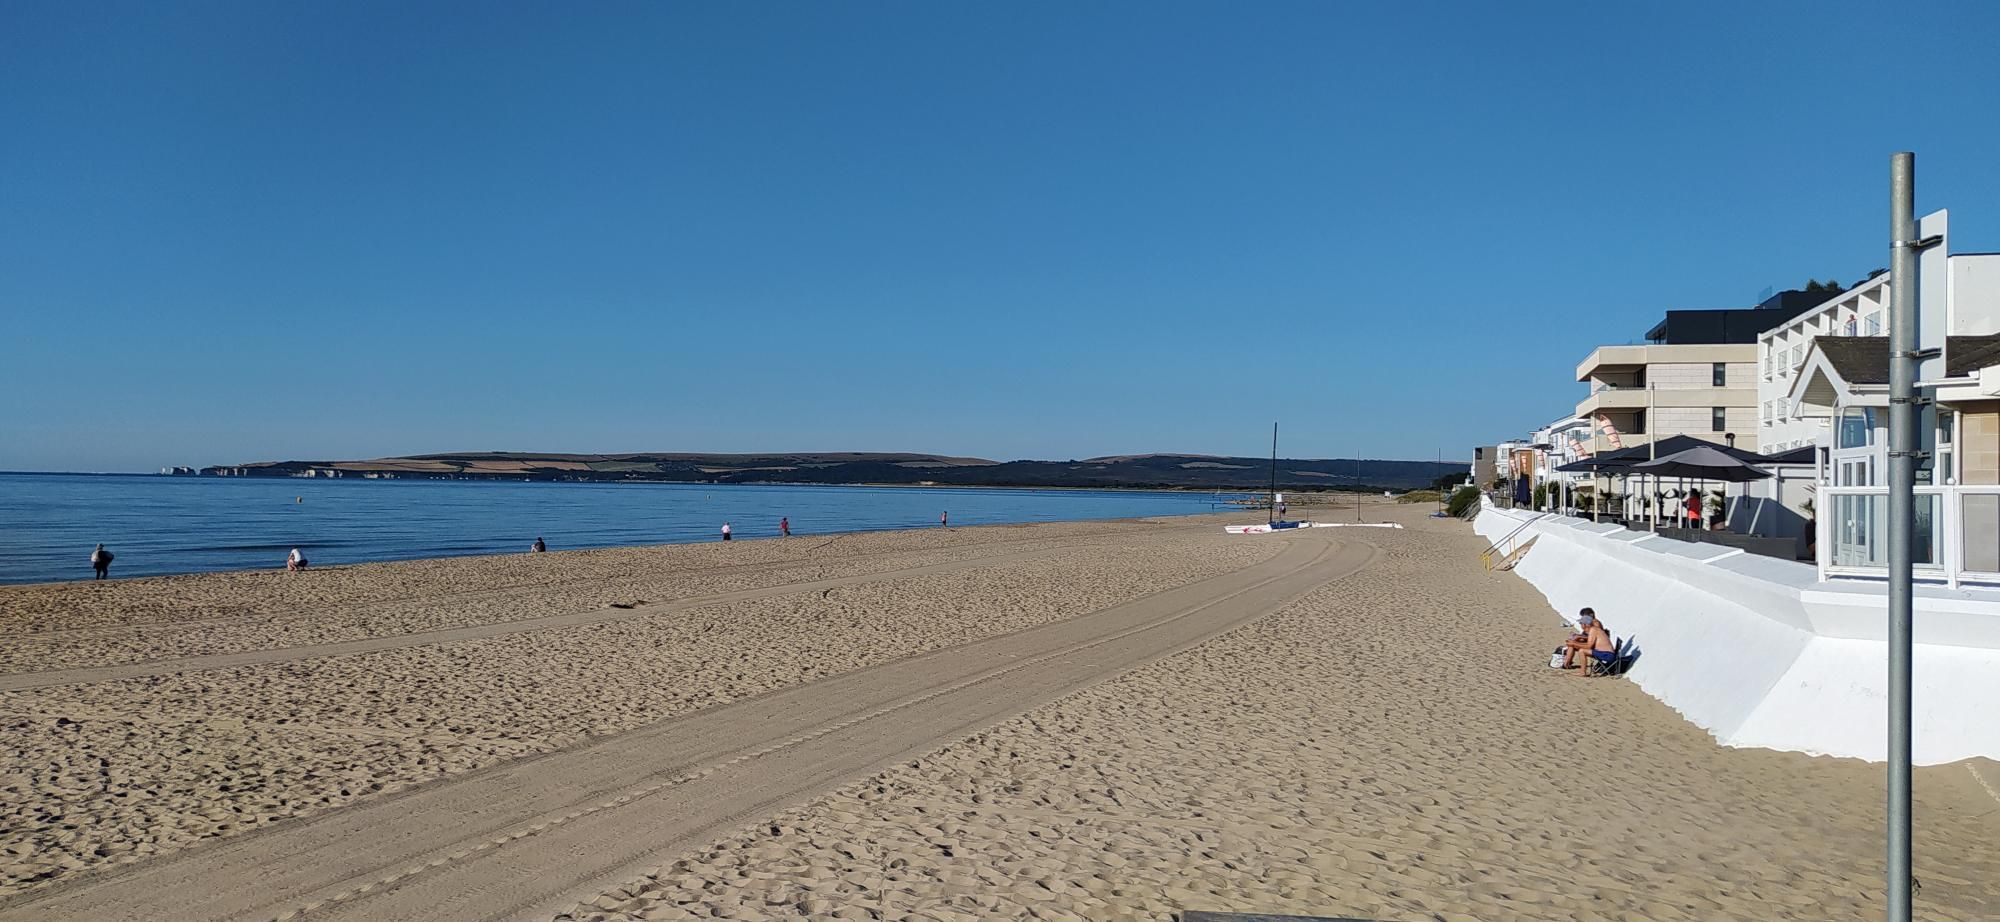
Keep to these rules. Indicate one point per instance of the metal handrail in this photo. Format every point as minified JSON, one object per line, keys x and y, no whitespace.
{"x":1486,"y":556}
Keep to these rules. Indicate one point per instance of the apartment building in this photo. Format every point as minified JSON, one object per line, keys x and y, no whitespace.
{"x":1696,"y":376}
{"x":1782,"y":352}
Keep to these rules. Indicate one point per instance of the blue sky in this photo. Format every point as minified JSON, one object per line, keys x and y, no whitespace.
{"x":243,"y":231}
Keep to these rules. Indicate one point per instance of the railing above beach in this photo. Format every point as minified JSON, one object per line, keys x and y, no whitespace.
{"x":1956,"y":533}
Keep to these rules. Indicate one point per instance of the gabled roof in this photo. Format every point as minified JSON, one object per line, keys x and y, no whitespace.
{"x":1835,"y":369}
{"x":1964,"y":355}
{"x":1857,"y":359}
{"x":1864,"y":360}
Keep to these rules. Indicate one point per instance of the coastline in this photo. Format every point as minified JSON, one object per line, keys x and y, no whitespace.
{"x":249,"y":523}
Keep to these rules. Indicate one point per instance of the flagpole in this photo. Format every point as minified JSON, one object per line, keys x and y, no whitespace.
{"x":1271,"y":515}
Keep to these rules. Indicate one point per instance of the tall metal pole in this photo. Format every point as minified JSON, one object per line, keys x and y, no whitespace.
{"x":1271,"y":516}
{"x":1357,"y":486}
{"x":1903,"y":341}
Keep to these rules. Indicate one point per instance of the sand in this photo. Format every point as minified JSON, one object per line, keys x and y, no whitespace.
{"x":111,"y":772}
{"x":1386,"y":745}
{"x":1390,"y":748}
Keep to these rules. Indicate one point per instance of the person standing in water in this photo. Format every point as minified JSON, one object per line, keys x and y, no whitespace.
{"x":100,"y":560}
{"x":944,"y":520}
{"x":539,"y":546}
{"x":784,"y":527}
{"x":725,"y":531}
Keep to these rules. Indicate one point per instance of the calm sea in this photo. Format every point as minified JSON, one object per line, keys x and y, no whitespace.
{"x":156,"y":525}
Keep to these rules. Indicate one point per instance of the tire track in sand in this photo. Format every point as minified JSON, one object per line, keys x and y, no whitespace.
{"x":533,"y":836}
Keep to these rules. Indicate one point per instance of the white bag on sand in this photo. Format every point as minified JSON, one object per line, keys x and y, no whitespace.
{"x":1556,"y":660}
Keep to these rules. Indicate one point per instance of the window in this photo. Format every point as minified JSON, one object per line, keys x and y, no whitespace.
{"x":1719,"y":374}
{"x":1857,"y":427}
{"x":1875,"y":324}
{"x":1947,"y":423}
{"x":1718,"y":419}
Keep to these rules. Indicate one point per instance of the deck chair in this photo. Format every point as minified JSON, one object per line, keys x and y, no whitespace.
{"x":1615,"y":667}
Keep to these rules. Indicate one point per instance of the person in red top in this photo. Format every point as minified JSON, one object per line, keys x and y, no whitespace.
{"x":1694,"y":508}
{"x":784,"y":528}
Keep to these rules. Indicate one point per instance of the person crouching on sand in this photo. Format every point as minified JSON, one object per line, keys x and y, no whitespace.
{"x":539,"y":547}
{"x":100,"y":560}
{"x":295,"y":561}
{"x":725,"y":531}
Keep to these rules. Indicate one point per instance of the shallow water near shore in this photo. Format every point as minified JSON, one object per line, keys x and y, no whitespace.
{"x":160,"y":525}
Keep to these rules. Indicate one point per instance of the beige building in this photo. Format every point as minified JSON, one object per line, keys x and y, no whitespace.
{"x":1640,"y":394}
{"x":1695,"y":376}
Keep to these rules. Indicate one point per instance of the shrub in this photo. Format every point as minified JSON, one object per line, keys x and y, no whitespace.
{"x":1462,"y":500}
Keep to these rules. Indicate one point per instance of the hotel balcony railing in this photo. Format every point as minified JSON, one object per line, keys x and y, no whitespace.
{"x":1955,"y":533}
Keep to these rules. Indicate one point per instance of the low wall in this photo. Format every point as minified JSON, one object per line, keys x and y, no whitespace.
{"x":1759,"y":653}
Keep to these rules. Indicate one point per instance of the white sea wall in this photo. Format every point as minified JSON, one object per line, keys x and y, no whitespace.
{"x":1759,"y":653}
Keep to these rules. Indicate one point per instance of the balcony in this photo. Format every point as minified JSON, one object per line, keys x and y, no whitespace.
{"x":1611,"y":397}
{"x":1956,"y":534}
{"x":1611,"y":359}
{"x":1621,"y":360}
{"x":1629,"y":399}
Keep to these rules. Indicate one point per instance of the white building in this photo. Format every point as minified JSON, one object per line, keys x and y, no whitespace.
{"x":1781,"y":351}
{"x":1839,"y":391}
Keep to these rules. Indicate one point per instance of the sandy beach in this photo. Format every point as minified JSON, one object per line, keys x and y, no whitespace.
{"x":1114,"y":720}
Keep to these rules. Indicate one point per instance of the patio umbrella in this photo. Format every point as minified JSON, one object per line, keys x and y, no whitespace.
{"x":1702,"y":462}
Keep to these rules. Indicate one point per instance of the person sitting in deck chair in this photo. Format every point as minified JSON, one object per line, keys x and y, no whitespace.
{"x":1578,"y":643}
{"x":1601,"y":652}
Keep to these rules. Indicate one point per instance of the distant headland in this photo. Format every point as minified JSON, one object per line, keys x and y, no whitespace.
{"x":1156,"y":471}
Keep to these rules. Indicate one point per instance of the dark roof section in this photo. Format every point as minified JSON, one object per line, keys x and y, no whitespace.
{"x":1965,"y":354}
{"x":1801,"y":455}
{"x":1734,"y":325}
{"x":1865,"y":359}
{"x":1858,"y":359}
{"x":1626,"y":457}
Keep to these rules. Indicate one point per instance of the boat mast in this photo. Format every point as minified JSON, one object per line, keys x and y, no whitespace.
{"x":1271,"y":518}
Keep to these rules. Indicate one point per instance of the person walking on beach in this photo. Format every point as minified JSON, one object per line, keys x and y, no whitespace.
{"x":944,"y":520}
{"x":784,"y":527}
{"x":295,"y":561}
{"x":725,"y":531}
{"x":540,"y":548}
{"x":100,"y":560}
